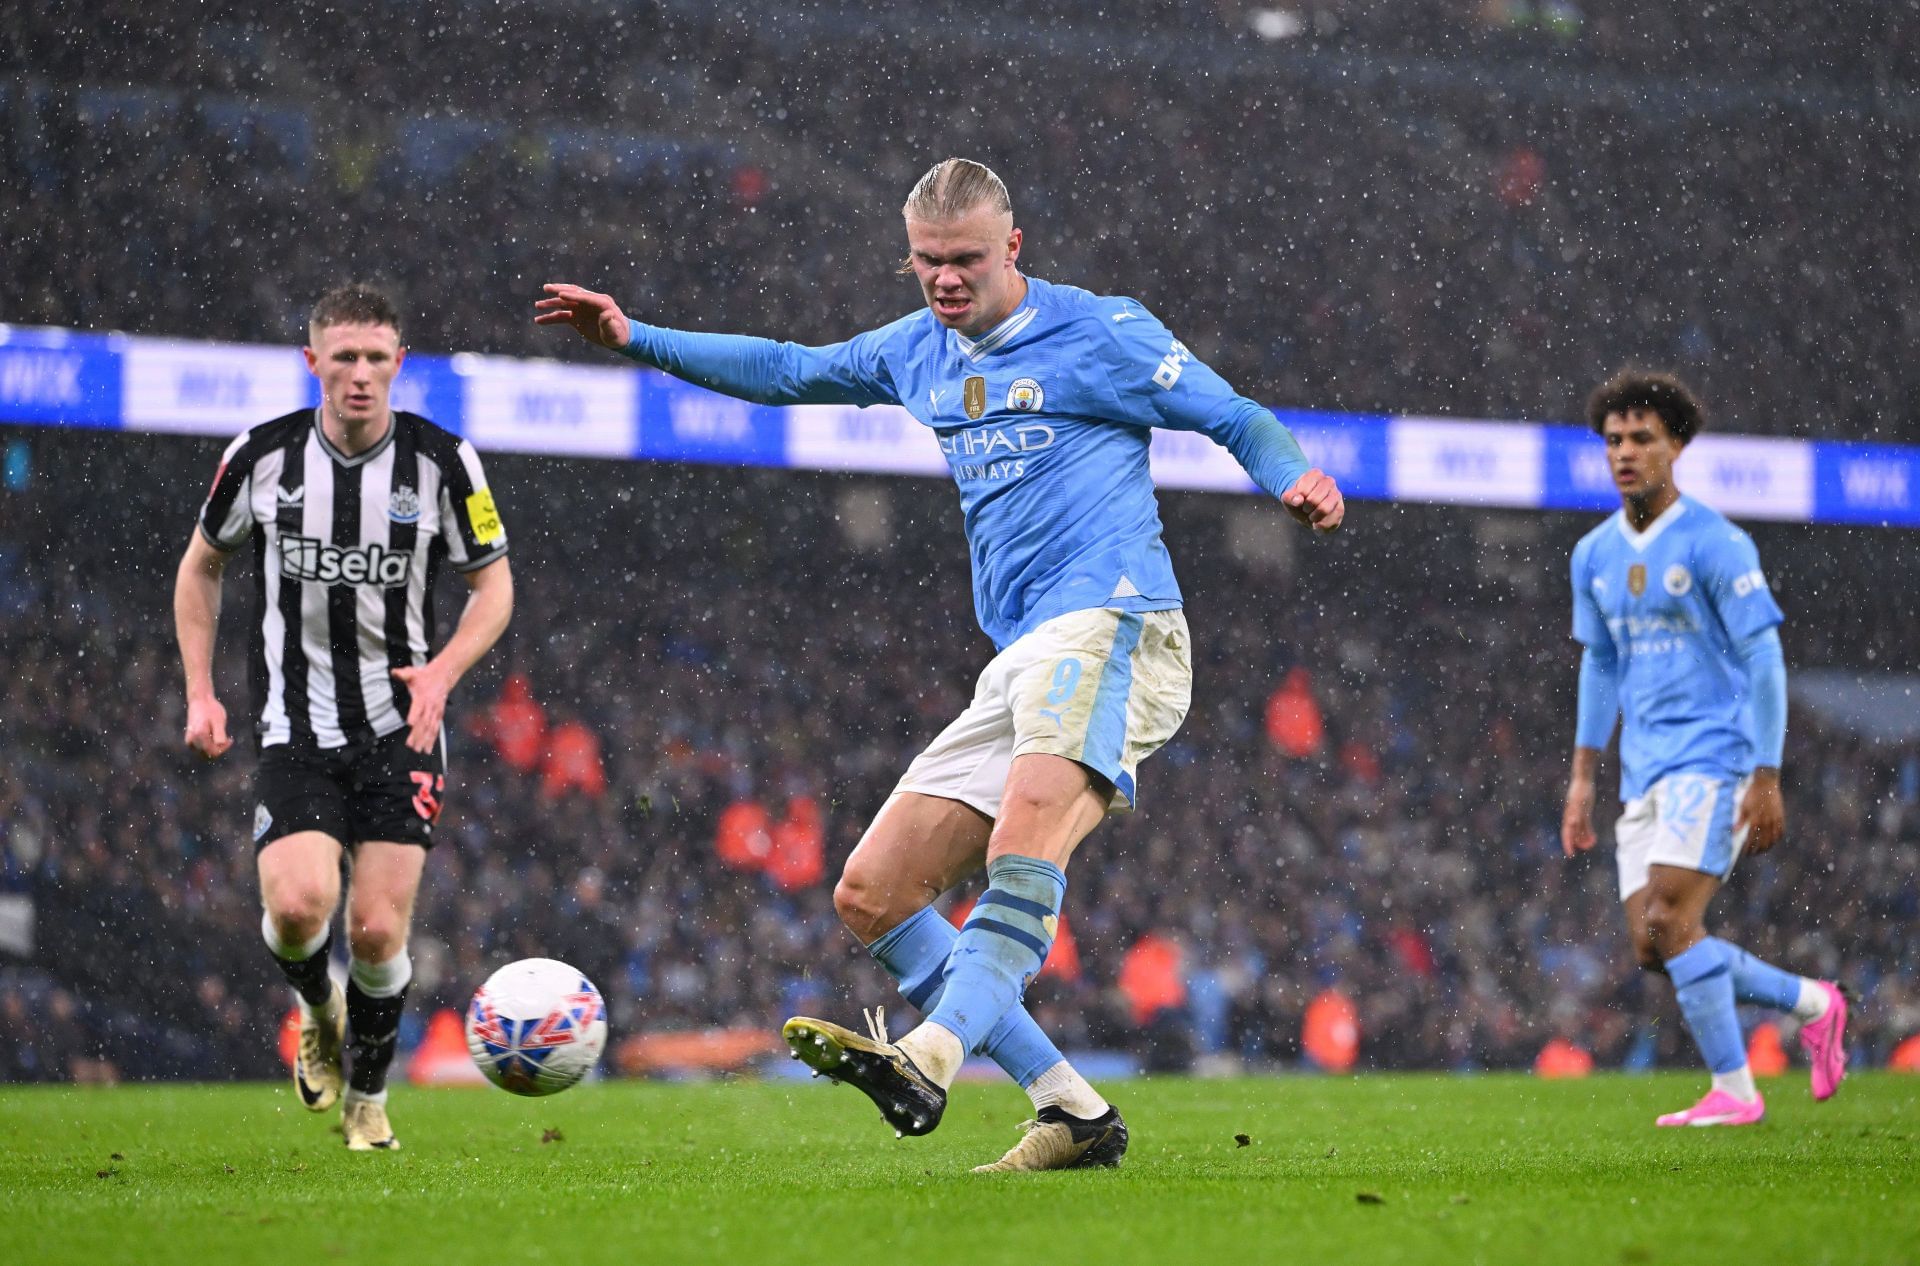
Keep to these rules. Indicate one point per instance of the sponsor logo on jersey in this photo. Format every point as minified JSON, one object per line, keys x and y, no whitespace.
{"x":1637,"y":579}
{"x":1630,"y":626}
{"x":1678,"y":580}
{"x":1025,"y":396}
{"x":974,"y":395}
{"x":1744,"y":585}
{"x":1029,"y":437}
{"x":484,"y":517}
{"x":404,"y":505}
{"x":304,"y":558}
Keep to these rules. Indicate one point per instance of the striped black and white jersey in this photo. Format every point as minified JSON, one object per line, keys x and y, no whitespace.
{"x":346,"y":551}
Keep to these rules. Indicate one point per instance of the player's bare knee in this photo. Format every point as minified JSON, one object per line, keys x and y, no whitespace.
{"x":864,"y":905}
{"x":299,"y":910}
{"x":1669,"y":930}
{"x":376,"y":938}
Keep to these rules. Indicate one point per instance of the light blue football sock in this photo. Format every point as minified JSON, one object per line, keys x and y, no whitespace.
{"x":1001,"y":948}
{"x":916,"y":954}
{"x":1759,"y":982}
{"x":1703,"y":983}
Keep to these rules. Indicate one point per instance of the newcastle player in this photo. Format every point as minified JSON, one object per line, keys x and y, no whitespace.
{"x":352,"y":508}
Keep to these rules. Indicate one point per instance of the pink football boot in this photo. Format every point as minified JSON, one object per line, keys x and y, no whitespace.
{"x":1825,"y":1042}
{"x":1718,"y":1108}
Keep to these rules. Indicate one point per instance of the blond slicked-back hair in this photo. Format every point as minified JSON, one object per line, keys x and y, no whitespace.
{"x":954,"y":188}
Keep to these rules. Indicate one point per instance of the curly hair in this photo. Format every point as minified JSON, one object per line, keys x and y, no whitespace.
{"x":355,"y":303}
{"x":1659,"y":393}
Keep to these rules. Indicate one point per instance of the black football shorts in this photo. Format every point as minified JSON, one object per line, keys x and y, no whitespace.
{"x":379,"y":789}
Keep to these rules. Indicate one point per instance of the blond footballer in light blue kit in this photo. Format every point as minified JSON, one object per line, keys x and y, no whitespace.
{"x":1044,"y":398}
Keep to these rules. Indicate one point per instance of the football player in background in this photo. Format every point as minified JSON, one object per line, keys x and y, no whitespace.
{"x":1681,"y":644}
{"x":352,"y":508}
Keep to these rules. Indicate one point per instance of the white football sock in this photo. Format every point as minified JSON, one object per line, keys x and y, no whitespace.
{"x":935,"y":1052}
{"x":292,"y":952}
{"x":360,"y":1096}
{"x":382,"y":980}
{"x":1063,"y":1087}
{"x":1738,"y":1083}
{"x":1812,"y":1002}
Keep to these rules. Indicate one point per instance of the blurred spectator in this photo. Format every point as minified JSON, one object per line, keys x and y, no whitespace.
{"x":1153,"y":976}
{"x":1294,"y":721}
{"x":1330,"y":1034}
{"x":798,"y":856}
{"x":516,"y":725}
{"x":744,"y":837}
{"x":572,"y":761}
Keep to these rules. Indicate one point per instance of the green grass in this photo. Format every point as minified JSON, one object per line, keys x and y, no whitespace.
{"x":1484,"y":1169}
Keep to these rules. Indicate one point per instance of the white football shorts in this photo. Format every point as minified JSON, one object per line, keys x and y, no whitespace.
{"x":1684,"y":820}
{"x":1102,"y":687}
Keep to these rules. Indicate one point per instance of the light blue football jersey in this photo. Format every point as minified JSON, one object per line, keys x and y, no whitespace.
{"x":1045,"y":421}
{"x":1674,"y":602}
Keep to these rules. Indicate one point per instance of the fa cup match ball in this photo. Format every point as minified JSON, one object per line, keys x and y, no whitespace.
{"x":536,"y":1027}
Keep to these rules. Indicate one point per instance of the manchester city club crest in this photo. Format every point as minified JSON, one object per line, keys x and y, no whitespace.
{"x":1637,"y":579}
{"x":1025,"y":396}
{"x":1678,"y":580}
{"x":403,"y":506}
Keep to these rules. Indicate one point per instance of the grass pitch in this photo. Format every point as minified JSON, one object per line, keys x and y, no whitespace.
{"x":1378,"y":1169}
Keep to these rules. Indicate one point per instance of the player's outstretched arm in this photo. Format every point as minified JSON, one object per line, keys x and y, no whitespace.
{"x":594,"y":316}
{"x":196,"y":617}
{"x":489,"y":608}
{"x":738,"y":365}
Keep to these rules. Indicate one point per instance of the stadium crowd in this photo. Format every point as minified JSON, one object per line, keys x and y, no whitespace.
{"x":714,"y":677}
{"x":1725,"y":190}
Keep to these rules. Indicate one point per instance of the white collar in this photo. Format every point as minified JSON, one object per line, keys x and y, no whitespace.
{"x":1641,"y":539}
{"x":998,"y":336}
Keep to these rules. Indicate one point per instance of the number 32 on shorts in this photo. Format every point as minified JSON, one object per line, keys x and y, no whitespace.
{"x":426,"y":795}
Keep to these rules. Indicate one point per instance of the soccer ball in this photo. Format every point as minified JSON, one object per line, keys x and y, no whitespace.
{"x":536,"y":1027}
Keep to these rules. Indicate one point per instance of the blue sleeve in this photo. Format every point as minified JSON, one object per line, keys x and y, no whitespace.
{"x":767,"y":372}
{"x":1766,"y":666}
{"x":1589,"y":624}
{"x":1736,"y":586}
{"x":1156,"y":381}
{"x":1599,"y":703}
